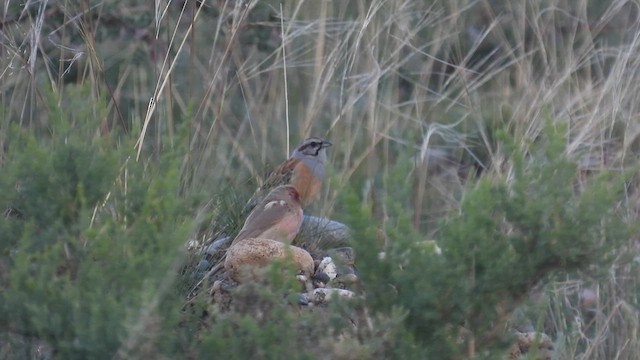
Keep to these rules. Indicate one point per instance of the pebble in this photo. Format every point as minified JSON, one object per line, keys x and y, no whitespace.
{"x":203,"y":265}
{"x":323,"y":295}
{"x":343,"y":255}
{"x":320,"y":279}
{"x":344,"y":281}
{"x":328,"y":267}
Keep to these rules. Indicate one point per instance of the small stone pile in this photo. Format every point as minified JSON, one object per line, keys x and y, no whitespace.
{"x":321,"y":258}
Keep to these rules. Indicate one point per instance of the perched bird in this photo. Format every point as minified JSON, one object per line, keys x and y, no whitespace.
{"x":304,"y":170}
{"x":293,"y":185}
{"x":277,"y":217}
{"x":267,"y":234}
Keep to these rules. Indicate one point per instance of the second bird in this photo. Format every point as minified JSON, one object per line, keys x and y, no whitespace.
{"x":277,"y":217}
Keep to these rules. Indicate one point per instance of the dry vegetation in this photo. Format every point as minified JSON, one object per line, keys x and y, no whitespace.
{"x":415,"y":96}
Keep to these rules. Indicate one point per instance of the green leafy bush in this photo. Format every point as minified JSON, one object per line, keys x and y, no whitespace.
{"x":94,"y":255}
{"x":510,"y":235}
{"x":92,"y":246}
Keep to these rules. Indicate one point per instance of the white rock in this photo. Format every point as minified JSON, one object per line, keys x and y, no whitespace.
{"x":328,"y":267}
{"x":322,"y":295}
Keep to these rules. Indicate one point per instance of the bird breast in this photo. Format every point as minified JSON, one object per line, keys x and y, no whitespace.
{"x":308,"y":181}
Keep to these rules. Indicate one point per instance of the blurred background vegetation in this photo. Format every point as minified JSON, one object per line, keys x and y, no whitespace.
{"x":503,"y":134}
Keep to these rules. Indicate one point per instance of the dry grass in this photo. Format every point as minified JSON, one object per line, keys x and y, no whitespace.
{"x":421,"y":87}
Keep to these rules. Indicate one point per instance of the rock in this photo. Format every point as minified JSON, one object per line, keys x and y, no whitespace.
{"x":246,"y":258}
{"x":529,"y":341}
{"x":343,"y":255}
{"x":328,"y":267}
{"x":320,"y":279}
{"x":318,"y":234}
{"x":220,"y":295}
{"x":218,"y":245}
{"x":323,"y":295}
{"x":344,"y":281}
{"x":203,"y":265}
{"x":303,"y":299}
{"x":344,"y":258}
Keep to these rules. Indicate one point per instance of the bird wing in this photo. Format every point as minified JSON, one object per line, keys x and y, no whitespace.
{"x":262,"y":219}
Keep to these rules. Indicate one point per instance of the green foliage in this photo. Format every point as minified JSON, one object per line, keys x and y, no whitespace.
{"x":97,"y":244}
{"x":92,"y":261}
{"x":510,"y":234}
{"x":266,"y":327}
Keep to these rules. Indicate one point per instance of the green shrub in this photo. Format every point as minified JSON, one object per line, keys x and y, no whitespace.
{"x":94,"y":256}
{"x":510,"y":235}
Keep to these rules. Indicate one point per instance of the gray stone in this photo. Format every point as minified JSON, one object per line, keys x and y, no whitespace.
{"x":318,"y":234}
{"x":203,"y":265}
{"x":218,"y":245}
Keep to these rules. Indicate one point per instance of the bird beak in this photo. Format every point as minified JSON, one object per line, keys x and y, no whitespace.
{"x":326,"y":144}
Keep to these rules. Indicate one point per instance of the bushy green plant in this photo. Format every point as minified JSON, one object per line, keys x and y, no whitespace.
{"x":92,"y":257}
{"x":510,"y":234}
{"x":214,"y":93}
